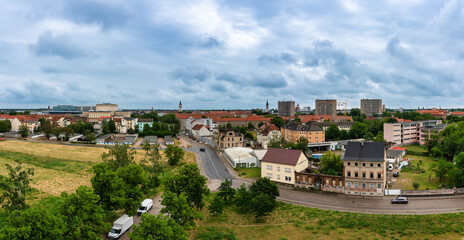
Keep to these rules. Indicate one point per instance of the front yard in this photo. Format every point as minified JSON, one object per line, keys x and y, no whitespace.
{"x":253,"y":172}
{"x":421,"y":175}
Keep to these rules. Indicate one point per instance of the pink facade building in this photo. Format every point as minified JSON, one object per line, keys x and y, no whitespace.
{"x":406,"y":133}
{"x":426,"y":131}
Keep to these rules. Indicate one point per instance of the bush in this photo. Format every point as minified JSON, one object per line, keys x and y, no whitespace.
{"x":415,"y":185}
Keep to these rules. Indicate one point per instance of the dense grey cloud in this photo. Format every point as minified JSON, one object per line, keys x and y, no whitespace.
{"x":231,"y":54}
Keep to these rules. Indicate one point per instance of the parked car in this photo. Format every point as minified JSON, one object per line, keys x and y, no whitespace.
{"x":120,"y":226}
{"x":390,"y":167}
{"x":202,"y":149}
{"x":398,"y":200}
{"x":145,"y":206}
{"x":395,"y":174}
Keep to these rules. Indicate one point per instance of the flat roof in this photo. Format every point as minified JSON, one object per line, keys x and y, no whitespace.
{"x":239,"y":153}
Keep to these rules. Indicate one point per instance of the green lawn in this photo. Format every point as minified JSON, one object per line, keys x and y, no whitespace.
{"x":408,"y":177}
{"x":249,"y":172}
{"x":415,"y":148}
{"x":297,"y":222}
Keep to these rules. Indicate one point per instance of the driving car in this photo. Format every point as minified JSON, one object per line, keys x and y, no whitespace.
{"x":202,"y":149}
{"x":400,"y":200}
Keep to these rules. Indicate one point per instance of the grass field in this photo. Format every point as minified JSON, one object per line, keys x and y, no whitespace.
{"x":58,"y":168}
{"x":296,"y":222}
{"x":415,"y":148}
{"x":407,"y":178}
{"x":249,"y":172}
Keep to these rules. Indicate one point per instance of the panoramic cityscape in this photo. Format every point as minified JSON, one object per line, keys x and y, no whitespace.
{"x":231,"y":120}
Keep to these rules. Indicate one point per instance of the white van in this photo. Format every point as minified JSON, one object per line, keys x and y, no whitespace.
{"x":120,"y":226}
{"x":146,"y":205}
{"x":390,"y":167}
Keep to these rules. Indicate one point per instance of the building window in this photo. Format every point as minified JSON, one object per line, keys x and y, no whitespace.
{"x":364,"y":175}
{"x":348,"y":163}
{"x":371,"y":185}
{"x":269,"y":167}
{"x":372,"y":175}
{"x":364,"y":185}
{"x":364,"y":164}
{"x":287,"y":178}
{"x":278,"y":177}
{"x":348,"y":184}
{"x":269,"y":175}
{"x":355,"y":174}
{"x":356,"y":164}
{"x":379,"y":185}
{"x":356,"y":184}
{"x":378,"y":165}
{"x":379,"y":176}
{"x":288,"y":170}
{"x":278,"y":169}
{"x":372,"y":164}
{"x":348,"y":174}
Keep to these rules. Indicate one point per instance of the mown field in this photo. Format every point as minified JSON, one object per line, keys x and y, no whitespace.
{"x":296,"y":222}
{"x":58,"y":168}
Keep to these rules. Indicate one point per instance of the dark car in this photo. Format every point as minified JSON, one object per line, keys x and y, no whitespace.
{"x":395,"y":174}
{"x":202,"y":149}
{"x":398,"y":200}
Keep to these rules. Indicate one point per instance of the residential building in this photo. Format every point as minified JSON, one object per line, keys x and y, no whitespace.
{"x":266,"y":133}
{"x":426,"y":131}
{"x":308,"y":178}
{"x":371,"y":106}
{"x":142,"y":121}
{"x":405,"y":133}
{"x":326,"y":107}
{"x":200,"y":130}
{"x":286,"y":108}
{"x":344,"y":125}
{"x":457,"y":114}
{"x":292,"y":131}
{"x":438,"y":113}
{"x":365,"y":168}
{"x":191,"y":122}
{"x":241,"y":157}
{"x":128,"y":123}
{"x":395,"y":156}
{"x":225,"y":138}
{"x":280,"y":165}
{"x":106,"y":107}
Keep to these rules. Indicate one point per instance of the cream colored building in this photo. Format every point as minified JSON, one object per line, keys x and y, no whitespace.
{"x":365,"y":168}
{"x":224,"y":138}
{"x":280,"y":165}
{"x":106,"y":107}
{"x":94,"y":117}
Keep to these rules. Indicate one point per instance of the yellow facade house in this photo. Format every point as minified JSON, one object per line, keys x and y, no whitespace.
{"x":280,"y":165}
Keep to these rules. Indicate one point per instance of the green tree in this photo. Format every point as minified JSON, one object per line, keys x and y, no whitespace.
{"x":83,"y":216}
{"x":332,"y":132}
{"x":15,"y":186}
{"x":23,"y":131}
{"x":415,"y":185}
{"x":276,"y":142}
{"x":344,"y":135}
{"x":260,"y":124}
{"x":174,"y":154}
{"x":431,"y":141}
{"x":135,"y":186}
{"x":217,"y":206}
{"x":331,"y":164}
{"x":242,"y":197}
{"x":278,"y":121}
{"x":146,"y":146}
{"x":119,"y":155}
{"x":108,"y":186}
{"x":355,"y":112}
{"x":251,"y":126}
{"x":46,"y":127}
{"x":189,"y":180}
{"x":226,"y":191}
{"x":262,"y":204}
{"x":32,"y":224}
{"x":154,"y":164}
{"x":158,"y":227}
{"x":111,"y":126}
{"x":441,"y":169}
{"x":368,"y":136}
{"x":90,"y":136}
{"x":457,"y":175}
{"x":178,"y":208}
{"x":5,"y":126}
{"x":302,"y":144}
{"x":358,"y":130}
{"x":379,"y":138}
{"x":105,"y":127}
{"x":265,"y":186}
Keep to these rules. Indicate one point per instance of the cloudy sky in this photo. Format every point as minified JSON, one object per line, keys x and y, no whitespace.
{"x":230,"y":54}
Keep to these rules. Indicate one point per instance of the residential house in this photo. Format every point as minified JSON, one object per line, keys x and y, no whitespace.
{"x":280,"y":165}
{"x":395,"y":156}
{"x":200,"y":130}
{"x":266,"y":133}
{"x":365,"y":168}
{"x":128,"y":123}
{"x":225,"y":138}
{"x":309,"y":178}
{"x":142,"y":121}
{"x":292,"y":131}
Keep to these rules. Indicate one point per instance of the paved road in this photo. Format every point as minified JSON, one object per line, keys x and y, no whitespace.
{"x":213,"y":166}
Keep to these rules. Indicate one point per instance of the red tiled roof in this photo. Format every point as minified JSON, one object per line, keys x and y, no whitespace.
{"x":457,"y":113}
{"x":399,"y":148}
{"x":282,"y":156}
{"x":104,"y":117}
{"x":198,"y":127}
{"x":267,"y":128}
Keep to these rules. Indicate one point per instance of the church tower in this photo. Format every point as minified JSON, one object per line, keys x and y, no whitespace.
{"x":180,"y":106}
{"x":267,"y":106}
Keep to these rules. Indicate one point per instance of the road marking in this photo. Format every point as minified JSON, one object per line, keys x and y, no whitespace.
{"x":213,"y":164}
